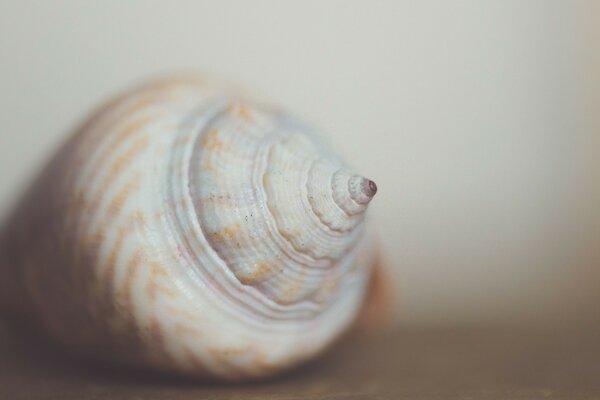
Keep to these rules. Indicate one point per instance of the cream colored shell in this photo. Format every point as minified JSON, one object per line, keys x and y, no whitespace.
{"x":187,"y":229}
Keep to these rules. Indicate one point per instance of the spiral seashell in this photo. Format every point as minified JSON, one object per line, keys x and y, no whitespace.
{"x":188,"y":229}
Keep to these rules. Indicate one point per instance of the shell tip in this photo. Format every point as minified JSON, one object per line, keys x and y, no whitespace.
{"x":371,"y":188}
{"x":362,"y":189}
{"x":368,"y":189}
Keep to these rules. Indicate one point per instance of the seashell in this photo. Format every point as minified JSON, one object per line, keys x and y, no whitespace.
{"x":188,"y":229}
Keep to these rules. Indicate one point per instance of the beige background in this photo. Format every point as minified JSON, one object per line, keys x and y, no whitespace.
{"x":479,"y":120}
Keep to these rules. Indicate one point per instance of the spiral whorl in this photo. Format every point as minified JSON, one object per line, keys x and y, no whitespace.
{"x":183,"y":229}
{"x":277,"y":207}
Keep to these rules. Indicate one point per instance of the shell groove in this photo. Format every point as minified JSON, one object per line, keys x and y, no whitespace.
{"x":188,"y":229}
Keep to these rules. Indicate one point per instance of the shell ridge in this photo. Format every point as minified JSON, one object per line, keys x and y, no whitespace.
{"x":217,"y":260}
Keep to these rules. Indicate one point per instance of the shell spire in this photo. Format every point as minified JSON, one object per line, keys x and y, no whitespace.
{"x":359,"y":193}
{"x":262,"y":175}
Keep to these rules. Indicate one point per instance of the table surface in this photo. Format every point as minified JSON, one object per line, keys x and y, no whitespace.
{"x":435,"y":363}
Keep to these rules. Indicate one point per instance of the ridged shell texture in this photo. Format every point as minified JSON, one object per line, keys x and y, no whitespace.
{"x":188,"y":229}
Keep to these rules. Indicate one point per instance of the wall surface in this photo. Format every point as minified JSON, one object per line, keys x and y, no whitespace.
{"x":478,"y":120}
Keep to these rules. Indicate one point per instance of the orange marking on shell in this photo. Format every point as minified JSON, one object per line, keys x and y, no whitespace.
{"x":110,"y":262}
{"x":119,"y":138}
{"x":114,"y":141}
{"x":158,"y":270}
{"x":231,"y":231}
{"x":123,"y":161}
{"x":225,"y":356}
{"x":208,"y":165}
{"x":173,"y":205}
{"x":258,"y":273}
{"x":103,"y":122}
{"x":293,"y":289}
{"x":182,"y":313}
{"x":92,"y":202}
{"x":262,"y":270}
{"x":211,"y":140}
{"x":327,"y":287}
{"x":93,"y":241}
{"x":184,"y":329}
{"x":119,"y":200}
{"x":241,"y":111}
{"x":113,"y":210}
{"x":130,"y":269}
{"x":136,"y":217}
{"x":228,"y":233}
{"x":141,"y":105}
{"x":153,"y":288}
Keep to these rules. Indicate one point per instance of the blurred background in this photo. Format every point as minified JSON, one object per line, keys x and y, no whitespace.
{"x":479,"y":121}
